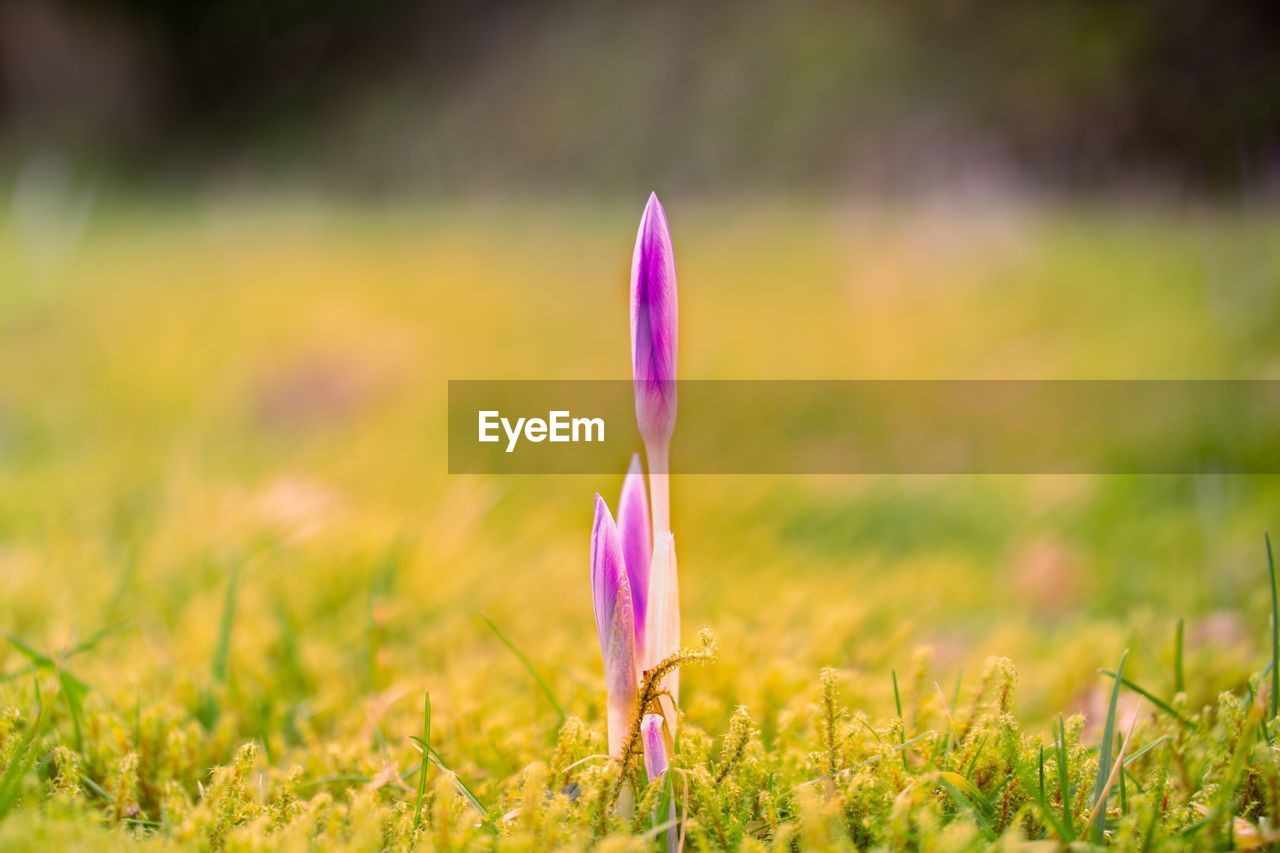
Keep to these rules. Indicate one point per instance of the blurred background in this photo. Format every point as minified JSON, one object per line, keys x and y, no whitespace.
{"x":393,"y":97}
{"x":246,"y":243}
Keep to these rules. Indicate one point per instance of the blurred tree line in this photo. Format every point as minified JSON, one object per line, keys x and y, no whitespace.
{"x":801,"y":94}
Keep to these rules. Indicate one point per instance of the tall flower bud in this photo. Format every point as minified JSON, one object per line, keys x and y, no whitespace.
{"x":637,"y":545}
{"x":653,"y":349}
{"x":615,"y":625}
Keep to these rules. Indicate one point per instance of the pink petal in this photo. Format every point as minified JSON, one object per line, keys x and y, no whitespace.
{"x":633,"y":526}
{"x":655,"y":746}
{"x":615,"y":624}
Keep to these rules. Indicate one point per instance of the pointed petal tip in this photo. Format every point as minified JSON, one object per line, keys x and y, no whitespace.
{"x":655,"y":215}
{"x":651,"y":728}
{"x":634,"y":467}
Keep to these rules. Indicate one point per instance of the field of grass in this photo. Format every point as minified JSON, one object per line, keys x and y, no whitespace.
{"x":234,"y":564}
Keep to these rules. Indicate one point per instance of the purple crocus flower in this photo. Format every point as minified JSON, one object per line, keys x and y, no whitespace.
{"x":633,"y":569}
{"x":655,"y":746}
{"x":653,"y":347}
{"x":654,"y":742}
{"x":615,"y":625}
{"x":653,"y":324}
{"x":637,"y":547}
{"x":653,"y":368}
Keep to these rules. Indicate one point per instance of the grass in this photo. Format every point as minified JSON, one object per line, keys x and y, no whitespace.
{"x":1275,"y":632}
{"x":425,"y":763}
{"x":529,"y":667}
{"x":1102,"y":786}
{"x":222,"y":436}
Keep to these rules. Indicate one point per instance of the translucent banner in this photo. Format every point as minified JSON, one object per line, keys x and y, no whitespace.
{"x":875,"y":427}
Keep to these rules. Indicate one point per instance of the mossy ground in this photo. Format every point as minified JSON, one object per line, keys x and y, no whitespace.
{"x":233,"y":562}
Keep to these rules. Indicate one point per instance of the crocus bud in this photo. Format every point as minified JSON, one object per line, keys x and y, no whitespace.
{"x":653,"y":327}
{"x":615,"y":624}
{"x":637,"y":548}
{"x":654,"y":742}
{"x":655,"y":746}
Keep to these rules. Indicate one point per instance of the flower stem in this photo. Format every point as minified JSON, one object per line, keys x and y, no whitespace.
{"x":659,"y":488}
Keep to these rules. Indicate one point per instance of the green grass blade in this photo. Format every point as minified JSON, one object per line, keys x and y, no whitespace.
{"x":1042,"y":802}
{"x":1042,"y":795}
{"x":1151,"y":697}
{"x":902,"y":727}
{"x":95,"y":639}
{"x":1133,"y":780}
{"x":466,"y":792}
{"x":1179,"y":682}
{"x":95,"y":789}
{"x":1124,"y":797}
{"x":220,"y":663}
{"x":1064,"y":778}
{"x":422,"y":769}
{"x":37,"y":658}
{"x":977,"y":753}
{"x":528,"y":665}
{"x":1275,"y":631}
{"x":967,"y":796}
{"x":1052,"y":820}
{"x":74,"y":690}
{"x":664,"y":816}
{"x":1105,"y":755}
{"x":1163,"y":739}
